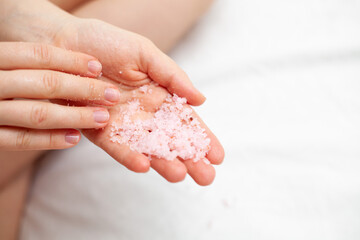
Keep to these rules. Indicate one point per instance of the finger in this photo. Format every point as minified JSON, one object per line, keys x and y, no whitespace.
{"x":45,"y":115}
{"x":134,"y":161}
{"x":30,"y":139}
{"x":156,"y":66}
{"x":173,"y":171}
{"x":44,"y":84}
{"x":216,"y":154}
{"x":151,"y":100}
{"x":167,"y":73}
{"x":202,"y":173}
{"x":40,"y":56}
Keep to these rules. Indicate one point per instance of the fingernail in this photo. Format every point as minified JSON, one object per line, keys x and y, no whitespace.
{"x":101,"y":116}
{"x":94,"y":67}
{"x":72,"y":137}
{"x":112,"y":95}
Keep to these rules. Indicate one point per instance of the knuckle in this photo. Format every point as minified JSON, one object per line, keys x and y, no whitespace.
{"x":77,"y":61}
{"x":52,"y":140}
{"x":50,"y":83}
{"x":146,"y":41}
{"x":92,"y":91}
{"x":42,"y":53}
{"x":23,"y":139}
{"x":3,"y":84}
{"x":171,"y":83}
{"x":38,"y":114}
{"x":82,"y":117}
{"x":146,"y":45}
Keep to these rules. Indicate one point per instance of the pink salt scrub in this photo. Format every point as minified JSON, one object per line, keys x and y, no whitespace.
{"x":172,"y":132}
{"x":145,"y":89}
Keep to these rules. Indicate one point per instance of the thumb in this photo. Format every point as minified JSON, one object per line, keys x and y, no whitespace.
{"x":163,"y":70}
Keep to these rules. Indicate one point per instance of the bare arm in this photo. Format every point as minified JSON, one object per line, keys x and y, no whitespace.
{"x":13,"y":163}
{"x":163,"y":24}
{"x":15,"y":174}
{"x":162,"y":21}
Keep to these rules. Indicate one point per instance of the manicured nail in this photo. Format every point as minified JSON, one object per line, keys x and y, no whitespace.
{"x":94,"y":67}
{"x":112,"y":95}
{"x":101,"y":116}
{"x":72,"y":137}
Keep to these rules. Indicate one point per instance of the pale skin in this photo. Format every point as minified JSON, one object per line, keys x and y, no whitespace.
{"x":149,"y":63}
{"x":35,"y":71}
{"x":173,"y":171}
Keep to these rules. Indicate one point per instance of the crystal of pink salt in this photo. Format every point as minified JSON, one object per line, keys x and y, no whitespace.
{"x":170,"y":133}
{"x":144,"y":89}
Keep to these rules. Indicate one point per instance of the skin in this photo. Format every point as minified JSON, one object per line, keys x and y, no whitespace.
{"x":126,"y":57}
{"x":59,"y":35}
{"x":140,"y":16}
{"x":12,"y":202}
{"x":34,"y":73}
{"x":134,"y":70}
{"x":173,"y":171}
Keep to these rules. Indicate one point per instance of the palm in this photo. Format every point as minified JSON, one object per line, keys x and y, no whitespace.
{"x":173,"y":171}
{"x":133,"y":61}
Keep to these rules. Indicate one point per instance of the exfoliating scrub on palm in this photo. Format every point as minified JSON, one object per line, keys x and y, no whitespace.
{"x":171,"y":132}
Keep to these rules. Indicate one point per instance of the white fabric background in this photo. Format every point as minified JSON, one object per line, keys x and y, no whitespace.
{"x":282,"y":79}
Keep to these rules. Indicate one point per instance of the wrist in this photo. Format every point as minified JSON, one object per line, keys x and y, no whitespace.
{"x":31,"y":21}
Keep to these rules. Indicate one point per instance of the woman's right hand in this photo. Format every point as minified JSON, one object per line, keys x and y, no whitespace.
{"x":31,"y":73}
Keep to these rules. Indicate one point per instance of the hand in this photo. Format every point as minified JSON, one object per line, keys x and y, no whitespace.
{"x":173,"y":171}
{"x":126,"y":57}
{"x":134,"y":61}
{"x":33,"y":71}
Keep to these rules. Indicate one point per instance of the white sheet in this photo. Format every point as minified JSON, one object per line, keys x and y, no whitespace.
{"x":282,"y":80}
